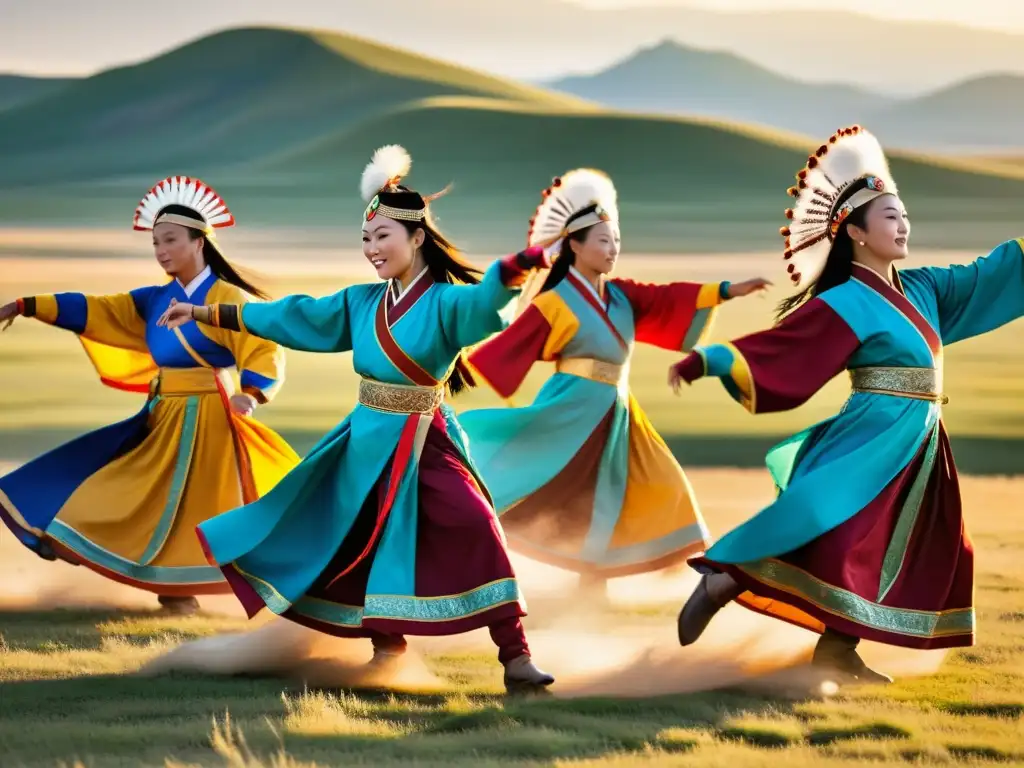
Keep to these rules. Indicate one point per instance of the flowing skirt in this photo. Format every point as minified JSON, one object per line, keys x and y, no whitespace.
{"x":584,"y":482}
{"x":125,"y":500}
{"x":422,"y":554}
{"x":900,"y":571}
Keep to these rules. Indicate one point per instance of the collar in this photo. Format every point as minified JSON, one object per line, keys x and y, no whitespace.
{"x":890,"y":280}
{"x":598,"y":292}
{"x":196,"y":281}
{"x":395,"y":287}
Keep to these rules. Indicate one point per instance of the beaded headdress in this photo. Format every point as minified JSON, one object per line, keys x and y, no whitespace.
{"x":381,"y":188}
{"x":207,"y":209}
{"x":846,"y":172}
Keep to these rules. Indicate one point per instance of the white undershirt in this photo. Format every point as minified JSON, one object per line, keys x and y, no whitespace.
{"x":397,"y":292}
{"x":196,"y":281}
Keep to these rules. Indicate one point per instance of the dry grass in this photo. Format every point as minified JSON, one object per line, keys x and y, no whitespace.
{"x":67,"y":692}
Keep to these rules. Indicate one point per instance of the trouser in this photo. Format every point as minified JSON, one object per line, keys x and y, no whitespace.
{"x":508,"y":634}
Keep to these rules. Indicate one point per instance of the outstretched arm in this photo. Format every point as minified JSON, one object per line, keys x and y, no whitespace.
{"x":113,"y":320}
{"x":780,"y":368}
{"x":295,"y":322}
{"x":677,"y":316}
{"x":974,"y":298}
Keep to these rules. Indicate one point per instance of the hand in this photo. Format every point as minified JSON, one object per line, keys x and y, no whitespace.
{"x":747,"y":287}
{"x":534,"y":257}
{"x":7,"y":314}
{"x":675,"y":378}
{"x":243,"y":404}
{"x":177,"y":314}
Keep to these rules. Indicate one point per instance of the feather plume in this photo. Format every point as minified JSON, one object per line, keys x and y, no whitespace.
{"x":185,"y":191}
{"x":849,"y":154}
{"x":389,"y":165}
{"x":568,"y":194}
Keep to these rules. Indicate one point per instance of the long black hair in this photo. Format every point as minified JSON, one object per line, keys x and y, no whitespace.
{"x":566,"y":258}
{"x":214,"y":259}
{"x":447,"y":265}
{"x":838,"y":266}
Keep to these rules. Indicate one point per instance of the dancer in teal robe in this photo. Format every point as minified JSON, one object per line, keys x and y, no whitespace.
{"x":384,"y":529}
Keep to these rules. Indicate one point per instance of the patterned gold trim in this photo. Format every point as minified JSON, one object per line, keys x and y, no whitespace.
{"x":915,"y":383}
{"x":840,"y":602}
{"x":594,"y":370}
{"x":399,"y":398}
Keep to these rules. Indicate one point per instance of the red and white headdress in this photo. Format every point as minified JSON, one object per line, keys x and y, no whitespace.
{"x":846,"y":172}
{"x":576,"y":200}
{"x":209,"y":209}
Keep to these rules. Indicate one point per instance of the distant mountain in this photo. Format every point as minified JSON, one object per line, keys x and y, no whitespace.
{"x":981,"y":114}
{"x":671,"y":78}
{"x":282,"y":122}
{"x":545,"y":39}
{"x":16,"y":90}
{"x":225,"y":99}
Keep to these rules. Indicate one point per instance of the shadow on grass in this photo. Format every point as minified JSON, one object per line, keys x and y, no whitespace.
{"x":61,"y":628}
{"x":974,"y":455}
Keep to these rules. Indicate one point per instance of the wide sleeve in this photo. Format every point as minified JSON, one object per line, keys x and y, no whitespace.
{"x":540,"y":333}
{"x":675,"y":316}
{"x":115,"y":320}
{"x":780,"y":368}
{"x":111,"y":329}
{"x":975,"y":298}
{"x":294,"y":322}
{"x":471,"y":313}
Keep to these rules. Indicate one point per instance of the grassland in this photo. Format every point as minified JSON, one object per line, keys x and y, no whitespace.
{"x":50,"y":391}
{"x":67,"y":691}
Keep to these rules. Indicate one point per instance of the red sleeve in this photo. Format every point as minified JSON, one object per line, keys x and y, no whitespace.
{"x":672,"y":316}
{"x":504,"y":360}
{"x":783,"y":367}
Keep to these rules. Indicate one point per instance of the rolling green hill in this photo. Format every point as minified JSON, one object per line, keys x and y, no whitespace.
{"x":282,"y":122}
{"x":17,"y":90}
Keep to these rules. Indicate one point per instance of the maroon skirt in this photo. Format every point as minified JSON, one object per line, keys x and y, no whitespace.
{"x":460,"y":548}
{"x":900,"y":571}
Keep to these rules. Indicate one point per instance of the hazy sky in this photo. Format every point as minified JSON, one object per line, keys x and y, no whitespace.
{"x":990,"y":14}
{"x":62,"y":37}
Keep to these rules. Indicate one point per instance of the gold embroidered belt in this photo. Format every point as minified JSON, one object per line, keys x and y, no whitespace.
{"x":184,"y":382}
{"x":399,"y":398}
{"x":915,"y":383}
{"x":595,"y":370}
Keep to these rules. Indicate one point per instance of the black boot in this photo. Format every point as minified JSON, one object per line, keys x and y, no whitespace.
{"x":700,"y":609}
{"x":837,"y":652}
{"x":179,"y":606}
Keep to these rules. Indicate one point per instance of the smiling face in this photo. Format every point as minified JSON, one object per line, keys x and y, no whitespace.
{"x":886,"y":230}
{"x":389,"y":247}
{"x":176,"y":252}
{"x":598,"y":251}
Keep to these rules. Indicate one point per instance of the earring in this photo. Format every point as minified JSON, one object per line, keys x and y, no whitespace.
{"x":861,"y":243}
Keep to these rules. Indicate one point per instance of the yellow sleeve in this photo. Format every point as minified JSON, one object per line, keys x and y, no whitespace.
{"x":260,"y":362}
{"x":111,"y":329}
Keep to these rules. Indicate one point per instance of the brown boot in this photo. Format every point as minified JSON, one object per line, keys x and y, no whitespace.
{"x":179,"y":606}
{"x":701,"y":608}
{"x":384,"y":665}
{"x":521,"y":676}
{"x":837,"y":652}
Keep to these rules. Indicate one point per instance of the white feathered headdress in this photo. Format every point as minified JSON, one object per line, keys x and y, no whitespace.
{"x":845,"y":173}
{"x":379,"y":187}
{"x":577,"y":200}
{"x":210,"y":209}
